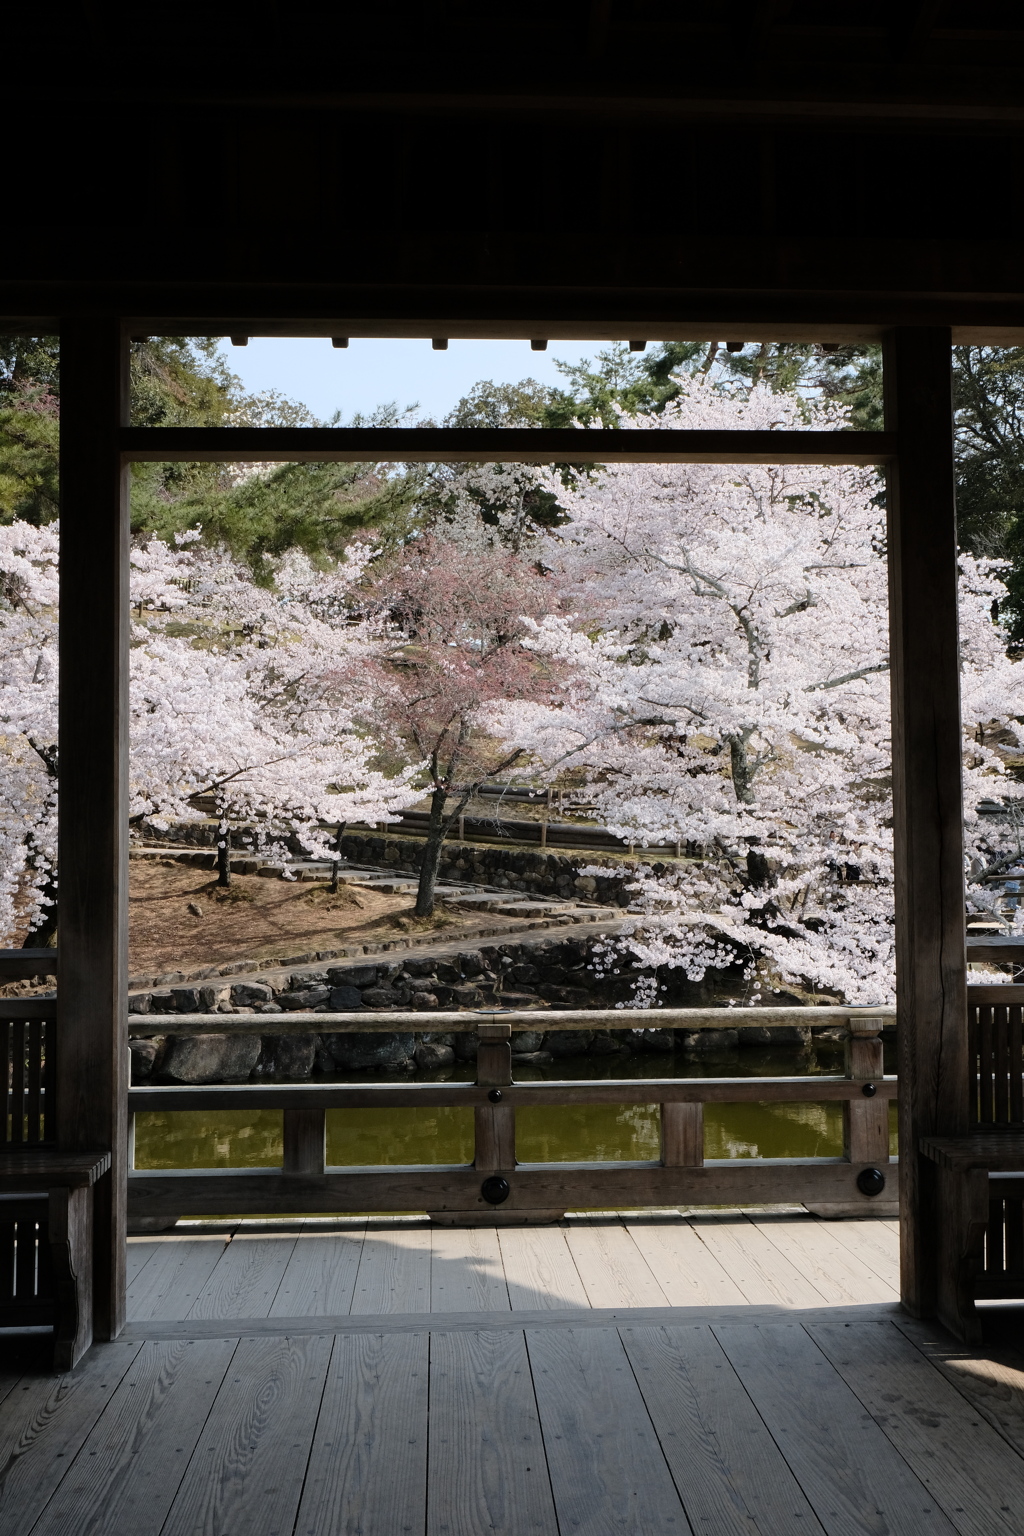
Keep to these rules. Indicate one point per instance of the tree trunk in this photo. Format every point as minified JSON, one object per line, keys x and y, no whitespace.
{"x":436,"y":829}
{"x":742,"y":775}
{"x":336,"y":861}
{"x":224,"y":854}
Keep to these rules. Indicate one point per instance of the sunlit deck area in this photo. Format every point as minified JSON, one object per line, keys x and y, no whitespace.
{"x":713,"y":1372}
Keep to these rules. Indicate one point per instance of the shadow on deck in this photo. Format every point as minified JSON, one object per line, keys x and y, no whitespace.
{"x":722,"y":1372}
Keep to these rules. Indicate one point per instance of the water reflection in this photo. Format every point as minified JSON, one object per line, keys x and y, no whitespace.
{"x":570,"y":1133}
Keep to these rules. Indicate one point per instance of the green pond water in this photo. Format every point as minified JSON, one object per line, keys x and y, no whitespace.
{"x":576,"y":1133}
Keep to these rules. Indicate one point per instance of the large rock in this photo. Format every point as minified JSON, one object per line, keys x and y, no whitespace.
{"x":431,"y":1056}
{"x":356,"y":1052}
{"x":199,"y":999}
{"x":211,"y":1058}
{"x":345,"y":1000}
{"x":653,"y":1041}
{"x":145,"y":1055}
{"x":607,"y":1044}
{"x":526,"y":1040}
{"x":304,"y":1001}
{"x":247,"y":994}
{"x":292,"y":1055}
{"x":467,"y":997}
{"x":352,"y":975}
{"x":384,"y":997}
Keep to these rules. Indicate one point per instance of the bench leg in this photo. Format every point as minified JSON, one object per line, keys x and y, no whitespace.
{"x":963,"y":1217}
{"x":71,"y":1235}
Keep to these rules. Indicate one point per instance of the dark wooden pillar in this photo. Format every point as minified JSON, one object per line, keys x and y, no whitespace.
{"x":927,"y":786}
{"x":92,"y":1045}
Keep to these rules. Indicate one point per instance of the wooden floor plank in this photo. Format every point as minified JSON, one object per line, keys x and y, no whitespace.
{"x":320,"y":1277}
{"x":684,"y":1266}
{"x":540,"y":1271}
{"x":992,"y":1381}
{"x":368,"y":1467}
{"x":613,"y":1270}
{"x":963,"y":1462}
{"x":246,"y":1278}
{"x":167,"y":1287}
{"x":44,"y":1423}
{"x":762,"y":1273}
{"x":138,"y":1252}
{"x":731,"y":1476}
{"x":394,"y":1271}
{"x":874,"y":1243}
{"x":127,"y":1473}
{"x":853,"y":1478}
{"x":608,"y":1474}
{"x":247,"y":1471}
{"x":466,"y":1272}
{"x":486,"y":1468}
{"x":834,"y":1270}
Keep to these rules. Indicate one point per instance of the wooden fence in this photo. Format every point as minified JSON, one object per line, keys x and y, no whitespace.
{"x":495,"y":1180}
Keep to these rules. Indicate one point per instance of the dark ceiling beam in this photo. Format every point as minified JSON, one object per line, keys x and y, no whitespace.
{"x":270,"y":445}
{"x":985,"y":109}
{"x":913,"y":29}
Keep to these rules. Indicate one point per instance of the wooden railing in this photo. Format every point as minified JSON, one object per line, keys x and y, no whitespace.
{"x":495,"y":1179}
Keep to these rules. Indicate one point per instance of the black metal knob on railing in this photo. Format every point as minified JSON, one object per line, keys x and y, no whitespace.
{"x":869,"y":1090}
{"x":495,"y":1095}
{"x":495,"y":1189}
{"x":871,"y":1181}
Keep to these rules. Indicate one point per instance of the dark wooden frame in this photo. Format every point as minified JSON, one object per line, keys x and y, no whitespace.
{"x":97,"y":447}
{"x":681,"y":1175}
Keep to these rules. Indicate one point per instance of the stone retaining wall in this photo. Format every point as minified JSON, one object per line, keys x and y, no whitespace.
{"x":535,"y":871}
{"x":550,"y":972}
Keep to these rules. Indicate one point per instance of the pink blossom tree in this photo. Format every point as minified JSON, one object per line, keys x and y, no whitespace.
{"x":223,"y":697}
{"x":451,"y":624}
{"x":730,"y":655}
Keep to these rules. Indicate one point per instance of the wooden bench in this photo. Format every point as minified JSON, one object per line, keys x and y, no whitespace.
{"x":46,"y":1194}
{"x":46,"y":1246}
{"x":980,"y":1176}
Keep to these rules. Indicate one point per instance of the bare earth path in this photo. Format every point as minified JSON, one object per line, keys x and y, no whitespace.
{"x":256,"y":917}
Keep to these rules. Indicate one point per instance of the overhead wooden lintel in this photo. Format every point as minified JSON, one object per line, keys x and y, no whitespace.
{"x":501,"y":445}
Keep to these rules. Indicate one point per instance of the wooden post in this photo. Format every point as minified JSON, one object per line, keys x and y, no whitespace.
{"x":92,"y":977}
{"x":682,"y":1135}
{"x":865,"y":1120}
{"x":305,"y":1141}
{"x":931,"y":968}
{"x":495,"y":1124}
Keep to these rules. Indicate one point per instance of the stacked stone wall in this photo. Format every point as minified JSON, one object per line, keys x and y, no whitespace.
{"x":555,"y":972}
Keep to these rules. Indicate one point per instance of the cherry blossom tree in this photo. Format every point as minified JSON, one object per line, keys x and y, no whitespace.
{"x":451,"y":622}
{"x":28,"y":727}
{"x":225,"y":702}
{"x":730,"y":656}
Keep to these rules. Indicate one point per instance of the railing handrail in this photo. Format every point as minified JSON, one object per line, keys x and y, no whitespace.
{"x":440,"y":1021}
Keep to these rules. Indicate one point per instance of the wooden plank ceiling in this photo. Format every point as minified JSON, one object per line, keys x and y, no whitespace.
{"x":609,"y":167}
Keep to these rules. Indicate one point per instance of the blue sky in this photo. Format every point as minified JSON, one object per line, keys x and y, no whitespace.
{"x":373,"y":371}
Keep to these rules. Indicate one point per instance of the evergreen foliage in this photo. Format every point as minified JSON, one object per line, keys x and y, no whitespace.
{"x":259,"y":512}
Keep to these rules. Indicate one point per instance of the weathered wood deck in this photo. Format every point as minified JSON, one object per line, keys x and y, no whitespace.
{"x":717,"y":1373}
